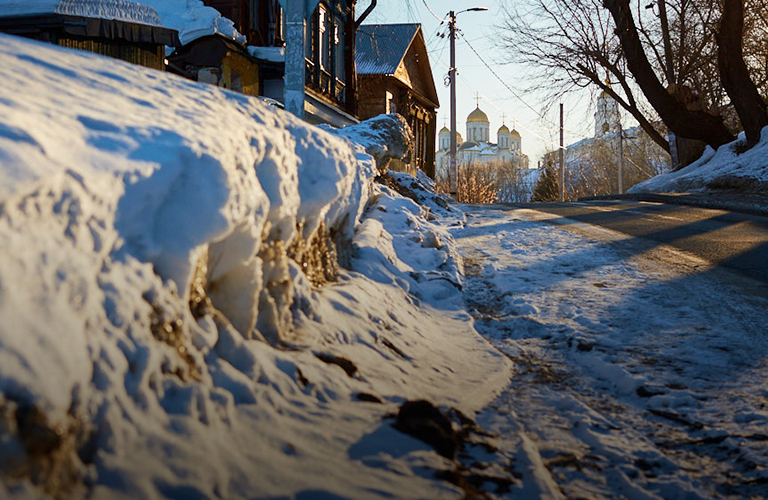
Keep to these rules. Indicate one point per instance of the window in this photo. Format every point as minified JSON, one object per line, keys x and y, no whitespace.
{"x":325,"y":38}
{"x":338,"y":47}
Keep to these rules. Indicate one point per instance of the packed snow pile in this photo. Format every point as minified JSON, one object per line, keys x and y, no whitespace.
{"x":728,"y":168}
{"x":121,"y":10}
{"x":205,"y":297}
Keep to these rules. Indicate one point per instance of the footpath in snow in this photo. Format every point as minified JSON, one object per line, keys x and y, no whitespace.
{"x":634,"y":378}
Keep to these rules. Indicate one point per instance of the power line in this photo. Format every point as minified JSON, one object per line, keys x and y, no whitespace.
{"x":505,"y":83}
{"x":438,"y":60}
{"x":433,"y":14}
{"x":542,"y":117}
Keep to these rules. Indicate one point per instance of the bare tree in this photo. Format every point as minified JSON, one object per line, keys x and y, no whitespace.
{"x":734,"y":72}
{"x":594,"y":170}
{"x":573,"y":44}
{"x":665,"y":57}
{"x":476,"y":184}
{"x":683,"y":121}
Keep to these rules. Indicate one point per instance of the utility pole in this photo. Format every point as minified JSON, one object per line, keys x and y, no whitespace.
{"x":296,"y":11}
{"x":562,"y":156}
{"x":453,"y":169}
{"x":621,"y":158}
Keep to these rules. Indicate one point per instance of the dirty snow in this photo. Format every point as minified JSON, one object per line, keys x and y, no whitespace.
{"x":128,"y":199}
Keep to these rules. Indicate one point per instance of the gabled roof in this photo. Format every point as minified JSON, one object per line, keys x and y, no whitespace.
{"x":380,"y":48}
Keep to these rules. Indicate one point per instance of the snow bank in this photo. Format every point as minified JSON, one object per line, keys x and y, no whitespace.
{"x":721,"y":169}
{"x":121,"y":10}
{"x":148,"y":227}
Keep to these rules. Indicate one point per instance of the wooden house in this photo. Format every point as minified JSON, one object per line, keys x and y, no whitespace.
{"x":136,"y":36}
{"x":394,"y":76}
{"x":220,"y":61}
{"x":330,"y":95}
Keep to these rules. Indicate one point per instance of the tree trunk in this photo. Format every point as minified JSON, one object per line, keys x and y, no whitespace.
{"x":680,"y":120}
{"x":734,"y":73}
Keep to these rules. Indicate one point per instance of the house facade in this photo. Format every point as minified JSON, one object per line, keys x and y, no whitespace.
{"x":220,"y":61}
{"x":330,"y":90}
{"x":135,"y":35}
{"x":394,"y":76}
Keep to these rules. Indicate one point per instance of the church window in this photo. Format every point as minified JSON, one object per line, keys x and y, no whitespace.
{"x":605,"y":127}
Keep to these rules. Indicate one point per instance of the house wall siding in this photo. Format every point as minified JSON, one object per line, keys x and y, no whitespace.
{"x":143,"y":54}
{"x":421,"y":117}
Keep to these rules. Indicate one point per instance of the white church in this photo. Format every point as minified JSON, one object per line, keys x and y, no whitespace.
{"x":478,"y":148}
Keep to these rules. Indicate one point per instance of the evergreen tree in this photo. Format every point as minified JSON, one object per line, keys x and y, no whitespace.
{"x":547,"y":188}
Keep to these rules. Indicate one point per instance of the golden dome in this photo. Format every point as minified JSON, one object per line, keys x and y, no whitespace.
{"x":514,"y":133}
{"x":478,"y":116}
{"x":503,"y":129}
{"x":444,"y":130}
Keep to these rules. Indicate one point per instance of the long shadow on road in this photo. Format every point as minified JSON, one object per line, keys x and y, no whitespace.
{"x":673,"y":365}
{"x":735,"y":241}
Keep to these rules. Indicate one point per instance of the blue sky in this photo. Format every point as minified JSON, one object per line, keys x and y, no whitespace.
{"x":480,"y":30}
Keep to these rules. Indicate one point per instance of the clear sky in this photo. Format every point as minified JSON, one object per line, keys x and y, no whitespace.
{"x":480,"y":30}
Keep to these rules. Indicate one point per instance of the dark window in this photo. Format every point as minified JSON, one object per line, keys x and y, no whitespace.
{"x":325,"y":43}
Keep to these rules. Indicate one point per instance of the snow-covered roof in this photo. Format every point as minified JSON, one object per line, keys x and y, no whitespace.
{"x":193,"y":19}
{"x":271,"y":54}
{"x":380,"y":48}
{"x":121,"y":10}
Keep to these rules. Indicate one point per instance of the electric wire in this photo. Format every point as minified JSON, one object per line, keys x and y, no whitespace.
{"x":542,"y":117}
{"x":538,"y":113}
{"x":432,"y":12}
{"x":439,"y":62}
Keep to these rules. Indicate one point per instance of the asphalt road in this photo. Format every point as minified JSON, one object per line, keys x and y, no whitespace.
{"x":735,"y":241}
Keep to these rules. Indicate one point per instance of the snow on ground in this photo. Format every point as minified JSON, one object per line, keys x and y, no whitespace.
{"x":727,"y":168}
{"x":160,"y":335}
{"x":633,"y":378}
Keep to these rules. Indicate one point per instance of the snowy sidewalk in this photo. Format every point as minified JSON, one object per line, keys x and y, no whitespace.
{"x":634,"y":378}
